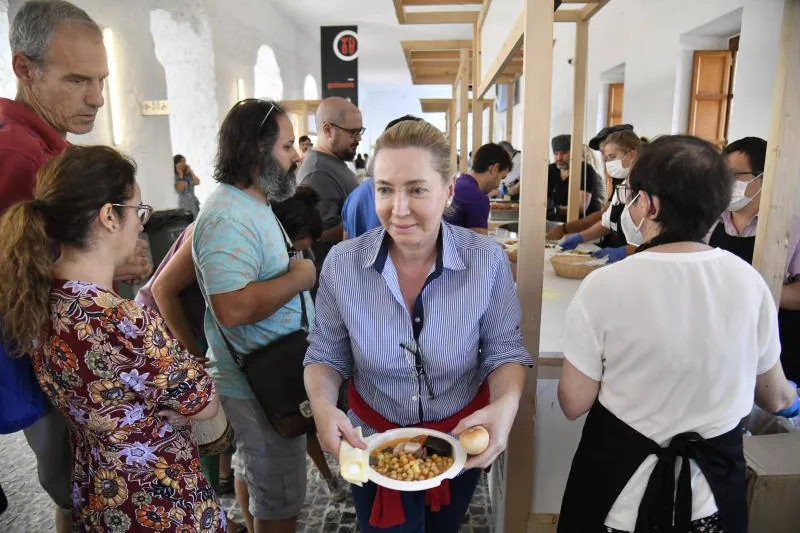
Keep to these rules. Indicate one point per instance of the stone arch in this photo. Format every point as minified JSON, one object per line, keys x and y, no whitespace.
{"x":267,"y":75}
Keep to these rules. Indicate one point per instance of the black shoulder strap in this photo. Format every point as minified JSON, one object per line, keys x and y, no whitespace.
{"x":304,"y":317}
{"x":303,"y":320}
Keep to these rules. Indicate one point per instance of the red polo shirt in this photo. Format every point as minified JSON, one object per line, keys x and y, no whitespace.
{"x":26,"y":143}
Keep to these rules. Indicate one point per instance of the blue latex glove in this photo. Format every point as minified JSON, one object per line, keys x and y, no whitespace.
{"x":613,"y":254}
{"x":570,"y":242}
{"x":794,"y":409}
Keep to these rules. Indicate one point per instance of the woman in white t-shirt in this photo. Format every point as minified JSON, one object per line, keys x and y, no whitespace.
{"x":667,"y":349}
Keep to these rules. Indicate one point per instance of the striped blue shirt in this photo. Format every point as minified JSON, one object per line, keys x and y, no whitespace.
{"x":465,"y":324}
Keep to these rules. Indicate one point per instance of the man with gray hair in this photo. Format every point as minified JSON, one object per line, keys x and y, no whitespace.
{"x":339,"y":130}
{"x":60,"y":63}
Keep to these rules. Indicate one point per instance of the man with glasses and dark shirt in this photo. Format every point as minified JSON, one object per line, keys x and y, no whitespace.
{"x":339,"y":130}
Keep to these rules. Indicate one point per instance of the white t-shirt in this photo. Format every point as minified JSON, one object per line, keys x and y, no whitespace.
{"x":676,"y":341}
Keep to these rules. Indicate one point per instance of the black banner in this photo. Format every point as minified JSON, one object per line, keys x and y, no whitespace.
{"x":339,"y":61}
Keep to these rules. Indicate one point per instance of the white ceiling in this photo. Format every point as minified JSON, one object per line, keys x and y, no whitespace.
{"x":380,"y":60}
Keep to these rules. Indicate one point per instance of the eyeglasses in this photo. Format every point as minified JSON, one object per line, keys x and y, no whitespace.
{"x":419,"y":366}
{"x":269,"y":112}
{"x":354,"y":132}
{"x":624,"y":193}
{"x":755,"y":174}
{"x":143,"y":211}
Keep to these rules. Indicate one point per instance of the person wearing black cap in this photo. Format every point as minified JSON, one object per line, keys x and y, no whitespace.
{"x":620,"y":150}
{"x":577,"y":226}
{"x":601,"y":136}
{"x":558,"y":183}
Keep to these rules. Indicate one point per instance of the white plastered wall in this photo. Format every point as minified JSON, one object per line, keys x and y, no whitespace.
{"x":8,"y":82}
{"x":184,"y":48}
{"x":654,"y":40}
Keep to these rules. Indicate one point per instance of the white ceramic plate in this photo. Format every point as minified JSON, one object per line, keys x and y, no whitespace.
{"x":376,"y":441}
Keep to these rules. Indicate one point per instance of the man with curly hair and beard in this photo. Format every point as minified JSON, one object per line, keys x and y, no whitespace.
{"x":241,"y":260}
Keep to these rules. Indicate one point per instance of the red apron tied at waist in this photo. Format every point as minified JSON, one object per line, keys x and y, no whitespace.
{"x":387,"y":509}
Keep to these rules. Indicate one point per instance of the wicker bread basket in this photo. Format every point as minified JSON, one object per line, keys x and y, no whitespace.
{"x":574,"y":266}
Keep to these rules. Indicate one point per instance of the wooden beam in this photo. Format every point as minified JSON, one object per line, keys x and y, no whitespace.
{"x":538,"y":78}
{"x":477,"y":106}
{"x":431,"y":55}
{"x":432,"y":80}
{"x":400,"y":11}
{"x":295,"y":106}
{"x":510,"y":112}
{"x":491,"y":122}
{"x":435,"y":105}
{"x":453,"y":135}
{"x":484,"y":12}
{"x":303,"y":129}
{"x":441,"y":17}
{"x":569,"y":15}
{"x":578,"y":115}
{"x":463,"y":107}
{"x":433,"y":70}
{"x":408,"y":3}
{"x":591,"y":10}
{"x":507,"y":79}
{"x":779,"y":190}
{"x":511,"y":44}
{"x":443,"y":44}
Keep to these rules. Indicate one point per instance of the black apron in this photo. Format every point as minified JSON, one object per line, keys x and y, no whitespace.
{"x":741,"y":247}
{"x":788,"y":320}
{"x":616,"y":238}
{"x":611,"y":451}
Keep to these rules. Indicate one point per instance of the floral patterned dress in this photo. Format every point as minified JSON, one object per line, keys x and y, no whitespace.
{"x":110,"y":365}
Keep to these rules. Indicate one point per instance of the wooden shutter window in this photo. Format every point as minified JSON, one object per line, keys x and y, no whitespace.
{"x":710,"y":95}
{"x":615,"y":95}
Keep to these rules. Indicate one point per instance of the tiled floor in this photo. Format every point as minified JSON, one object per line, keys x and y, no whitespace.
{"x":30,"y":509}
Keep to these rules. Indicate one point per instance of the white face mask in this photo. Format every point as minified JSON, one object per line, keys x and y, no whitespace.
{"x":631,"y":231}
{"x":739,"y":200}
{"x":616,"y":170}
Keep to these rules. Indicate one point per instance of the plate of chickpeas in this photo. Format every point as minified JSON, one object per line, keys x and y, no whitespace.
{"x":411,"y":459}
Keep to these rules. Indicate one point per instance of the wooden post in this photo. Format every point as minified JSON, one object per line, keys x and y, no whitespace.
{"x":303,"y":129}
{"x":538,"y":75}
{"x":452,"y":133}
{"x":491,"y":122}
{"x":477,"y":102}
{"x":463,"y":107}
{"x":510,"y":112}
{"x":779,"y":191}
{"x":578,"y":113}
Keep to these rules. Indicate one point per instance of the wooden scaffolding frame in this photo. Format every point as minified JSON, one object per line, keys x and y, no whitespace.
{"x":527,"y":52}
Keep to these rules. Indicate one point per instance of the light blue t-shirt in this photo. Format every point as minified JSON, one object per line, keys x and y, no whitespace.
{"x":237,"y":241}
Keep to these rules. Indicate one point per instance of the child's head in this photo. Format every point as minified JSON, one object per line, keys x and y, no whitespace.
{"x":300,"y":217}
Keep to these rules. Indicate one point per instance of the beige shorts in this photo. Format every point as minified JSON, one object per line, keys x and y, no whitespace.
{"x":274,"y":468}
